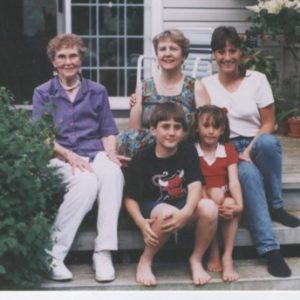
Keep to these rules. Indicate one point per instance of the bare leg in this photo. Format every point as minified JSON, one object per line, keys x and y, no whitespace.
{"x":229,"y":228}
{"x":214,"y":263}
{"x":144,"y":274}
{"x":206,"y":217}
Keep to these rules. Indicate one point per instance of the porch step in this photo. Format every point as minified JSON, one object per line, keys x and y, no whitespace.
{"x":176,"y":276}
{"x":291,"y":196}
{"x":131,"y":238}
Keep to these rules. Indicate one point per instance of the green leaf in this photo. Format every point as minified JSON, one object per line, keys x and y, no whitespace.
{"x":2,"y":270}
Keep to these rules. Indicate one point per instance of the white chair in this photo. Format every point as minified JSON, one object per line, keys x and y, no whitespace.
{"x":199,"y":61}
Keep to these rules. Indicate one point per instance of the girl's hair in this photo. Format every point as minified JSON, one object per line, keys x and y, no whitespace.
{"x":176,"y":36}
{"x":224,"y":34}
{"x":65,"y":40}
{"x":219,"y":119}
{"x":167,"y":111}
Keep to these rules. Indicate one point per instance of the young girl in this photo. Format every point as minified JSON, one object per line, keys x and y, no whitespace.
{"x":218,"y":162}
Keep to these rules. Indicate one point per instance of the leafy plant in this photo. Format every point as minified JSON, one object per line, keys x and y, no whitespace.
{"x":254,"y":59}
{"x":279,"y":21}
{"x":28,"y":202}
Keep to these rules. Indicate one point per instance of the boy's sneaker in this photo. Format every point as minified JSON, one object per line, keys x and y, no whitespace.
{"x":103,"y":266}
{"x":58,"y":271}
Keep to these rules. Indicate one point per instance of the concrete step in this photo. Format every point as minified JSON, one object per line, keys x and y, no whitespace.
{"x":131,"y":238}
{"x":176,"y":276}
{"x":291,"y":197}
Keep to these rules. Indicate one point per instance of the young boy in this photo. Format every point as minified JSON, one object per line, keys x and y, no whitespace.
{"x":163,"y":191}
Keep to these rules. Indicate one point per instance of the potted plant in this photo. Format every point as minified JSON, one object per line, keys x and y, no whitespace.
{"x":279,"y":21}
{"x":294,"y":121}
{"x":294,"y":126}
{"x":283,"y":112}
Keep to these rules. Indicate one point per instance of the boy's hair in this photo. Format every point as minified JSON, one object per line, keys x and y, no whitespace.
{"x":69,"y":40}
{"x":223,"y":34}
{"x":217,"y":115}
{"x":167,"y":111}
{"x":177,"y":37}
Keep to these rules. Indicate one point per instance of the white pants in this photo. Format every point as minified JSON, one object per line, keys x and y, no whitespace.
{"x":82,"y":189}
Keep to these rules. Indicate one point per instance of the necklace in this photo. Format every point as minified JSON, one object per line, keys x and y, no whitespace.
{"x":173,"y":86}
{"x":69,"y":88}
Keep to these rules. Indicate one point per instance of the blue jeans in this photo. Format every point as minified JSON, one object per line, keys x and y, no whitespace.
{"x":261,"y":186}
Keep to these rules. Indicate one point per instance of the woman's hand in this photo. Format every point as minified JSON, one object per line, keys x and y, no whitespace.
{"x":246,"y":155}
{"x":150,"y":237}
{"x":120,"y":160}
{"x":77,"y":161}
{"x":132,"y":100}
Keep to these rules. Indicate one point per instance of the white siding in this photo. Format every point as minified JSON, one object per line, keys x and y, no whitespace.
{"x":206,"y":13}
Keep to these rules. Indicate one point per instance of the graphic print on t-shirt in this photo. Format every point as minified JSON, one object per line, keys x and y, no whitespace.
{"x":171,"y":186}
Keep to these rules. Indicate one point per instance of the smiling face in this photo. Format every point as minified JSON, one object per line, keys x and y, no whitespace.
{"x":228,"y":59}
{"x":169,"y":54}
{"x":67,"y":62}
{"x":168,"y":134}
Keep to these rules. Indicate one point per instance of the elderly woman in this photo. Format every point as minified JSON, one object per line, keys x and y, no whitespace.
{"x":171,"y":48}
{"x":85,"y":150}
{"x":248,"y":97}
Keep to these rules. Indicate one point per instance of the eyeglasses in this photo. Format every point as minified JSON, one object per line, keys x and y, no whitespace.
{"x":64,"y":57}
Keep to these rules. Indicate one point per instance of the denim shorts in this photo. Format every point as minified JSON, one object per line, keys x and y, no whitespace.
{"x":147,"y":207}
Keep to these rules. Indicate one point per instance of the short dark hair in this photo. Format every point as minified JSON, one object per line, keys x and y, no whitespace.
{"x":167,"y":111}
{"x":219,"y":119}
{"x":221,"y":35}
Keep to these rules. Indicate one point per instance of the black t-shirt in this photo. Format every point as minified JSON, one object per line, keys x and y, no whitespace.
{"x":150,"y":178}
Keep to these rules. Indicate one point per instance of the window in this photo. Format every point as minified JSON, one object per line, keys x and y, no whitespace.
{"x":25,"y":28}
{"x":113,"y":31}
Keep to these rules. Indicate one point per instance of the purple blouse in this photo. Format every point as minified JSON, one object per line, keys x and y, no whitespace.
{"x":81,"y":124}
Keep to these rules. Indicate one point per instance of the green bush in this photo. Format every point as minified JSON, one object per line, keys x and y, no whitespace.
{"x":28,"y":196}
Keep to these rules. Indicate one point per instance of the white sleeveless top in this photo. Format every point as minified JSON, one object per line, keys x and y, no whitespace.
{"x":254,"y":92}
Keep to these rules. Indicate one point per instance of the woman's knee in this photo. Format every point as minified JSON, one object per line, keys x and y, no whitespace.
{"x":88,"y":182}
{"x":266,"y":142}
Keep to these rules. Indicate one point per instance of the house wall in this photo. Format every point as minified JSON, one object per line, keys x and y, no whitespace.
{"x":212,"y":13}
{"x":206,"y":13}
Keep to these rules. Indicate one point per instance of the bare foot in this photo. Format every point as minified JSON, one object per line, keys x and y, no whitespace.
{"x":144,"y":273}
{"x":214,"y":264}
{"x":199,"y":275}
{"x":229,"y":274}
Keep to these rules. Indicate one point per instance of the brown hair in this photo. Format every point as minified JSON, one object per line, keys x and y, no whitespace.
{"x":176,"y":36}
{"x":219,"y":119}
{"x":65,"y":40}
{"x":167,"y":111}
{"x":223,"y":34}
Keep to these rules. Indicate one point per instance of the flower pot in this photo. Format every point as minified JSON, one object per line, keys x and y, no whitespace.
{"x":294,"y":125}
